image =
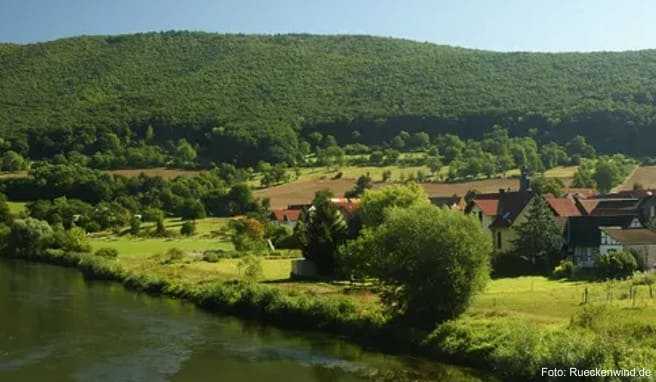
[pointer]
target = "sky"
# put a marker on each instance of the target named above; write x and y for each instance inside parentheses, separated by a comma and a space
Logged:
(501, 25)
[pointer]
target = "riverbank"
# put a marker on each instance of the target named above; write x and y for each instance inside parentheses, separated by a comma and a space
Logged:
(489, 339)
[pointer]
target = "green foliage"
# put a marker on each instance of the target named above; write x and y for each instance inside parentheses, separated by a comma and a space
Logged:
(173, 255)
(616, 265)
(29, 238)
(564, 270)
(604, 173)
(135, 225)
(375, 203)
(423, 253)
(188, 228)
(363, 183)
(132, 96)
(543, 185)
(247, 234)
(107, 253)
(12, 161)
(539, 238)
(250, 268)
(320, 231)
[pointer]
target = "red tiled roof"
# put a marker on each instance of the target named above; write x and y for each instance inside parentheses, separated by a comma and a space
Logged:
(286, 215)
(488, 206)
(563, 207)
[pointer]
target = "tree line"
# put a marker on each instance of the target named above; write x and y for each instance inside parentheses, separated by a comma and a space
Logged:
(135, 100)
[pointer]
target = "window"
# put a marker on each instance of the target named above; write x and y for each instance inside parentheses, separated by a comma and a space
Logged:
(498, 240)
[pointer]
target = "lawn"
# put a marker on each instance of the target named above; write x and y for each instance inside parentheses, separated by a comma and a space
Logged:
(546, 301)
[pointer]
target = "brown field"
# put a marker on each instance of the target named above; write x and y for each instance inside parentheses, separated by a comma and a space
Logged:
(646, 176)
(302, 191)
(165, 173)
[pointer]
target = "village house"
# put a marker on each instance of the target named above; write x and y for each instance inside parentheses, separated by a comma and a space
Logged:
(286, 216)
(583, 235)
(640, 241)
(484, 207)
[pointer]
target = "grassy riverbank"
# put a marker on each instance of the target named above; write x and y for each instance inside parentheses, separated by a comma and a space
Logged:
(513, 329)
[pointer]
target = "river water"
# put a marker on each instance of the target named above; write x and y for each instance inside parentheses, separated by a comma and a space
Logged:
(56, 326)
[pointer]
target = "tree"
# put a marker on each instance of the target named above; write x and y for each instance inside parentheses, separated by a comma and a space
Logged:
(398, 143)
(606, 175)
(320, 231)
(539, 239)
(418, 140)
(5, 212)
(375, 203)
(191, 209)
(363, 183)
(578, 147)
(429, 261)
(29, 237)
(376, 158)
(434, 163)
(247, 234)
(554, 155)
(12, 161)
(135, 225)
(543, 185)
(185, 154)
(188, 228)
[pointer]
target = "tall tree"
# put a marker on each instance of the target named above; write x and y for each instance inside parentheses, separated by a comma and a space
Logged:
(320, 231)
(539, 239)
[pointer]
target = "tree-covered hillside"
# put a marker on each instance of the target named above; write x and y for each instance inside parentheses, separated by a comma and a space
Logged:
(245, 98)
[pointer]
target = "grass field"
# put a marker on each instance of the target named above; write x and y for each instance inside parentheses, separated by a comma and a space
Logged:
(535, 299)
(546, 301)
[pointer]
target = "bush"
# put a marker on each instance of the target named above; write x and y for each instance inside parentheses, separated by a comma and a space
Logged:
(211, 257)
(564, 270)
(172, 255)
(250, 267)
(430, 261)
(107, 253)
(616, 265)
(188, 228)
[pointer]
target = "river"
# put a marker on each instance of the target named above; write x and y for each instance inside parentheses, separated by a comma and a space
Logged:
(56, 326)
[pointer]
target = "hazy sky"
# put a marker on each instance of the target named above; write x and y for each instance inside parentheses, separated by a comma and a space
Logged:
(528, 25)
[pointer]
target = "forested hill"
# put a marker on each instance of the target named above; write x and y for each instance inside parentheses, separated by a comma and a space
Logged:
(240, 97)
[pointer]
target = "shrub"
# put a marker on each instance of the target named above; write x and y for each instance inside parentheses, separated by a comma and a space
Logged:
(425, 254)
(172, 255)
(211, 257)
(250, 267)
(616, 265)
(564, 270)
(107, 253)
(188, 228)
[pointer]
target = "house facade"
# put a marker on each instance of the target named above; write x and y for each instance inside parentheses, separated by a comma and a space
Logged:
(640, 241)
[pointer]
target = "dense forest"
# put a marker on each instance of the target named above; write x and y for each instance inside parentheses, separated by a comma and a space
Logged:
(135, 100)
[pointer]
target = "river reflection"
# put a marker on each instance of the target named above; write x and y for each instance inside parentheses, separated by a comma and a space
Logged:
(56, 326)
